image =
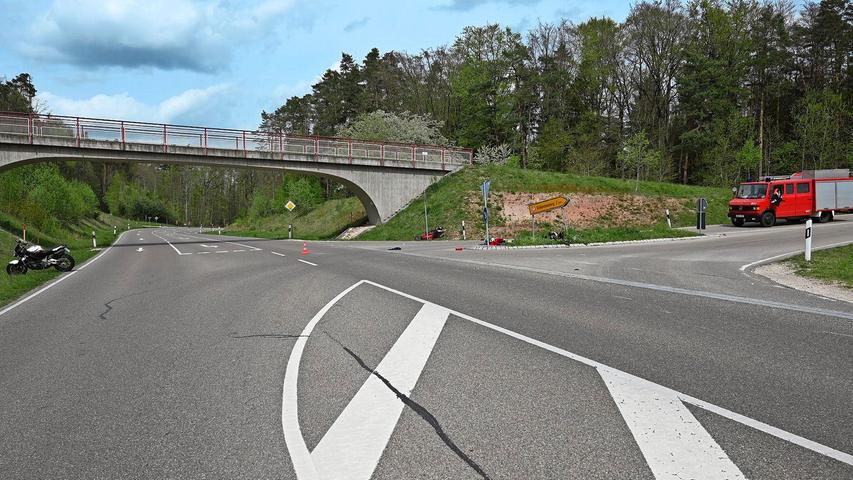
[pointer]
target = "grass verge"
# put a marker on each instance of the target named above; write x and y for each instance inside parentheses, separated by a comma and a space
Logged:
(449, 202)
(834, 265)
(77, 237)
(326, 221)
(596, 235)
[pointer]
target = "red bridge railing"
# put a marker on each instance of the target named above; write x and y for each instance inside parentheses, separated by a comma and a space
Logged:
(123, 132)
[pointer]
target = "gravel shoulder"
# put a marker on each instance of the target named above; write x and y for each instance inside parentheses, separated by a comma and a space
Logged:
(784, 275)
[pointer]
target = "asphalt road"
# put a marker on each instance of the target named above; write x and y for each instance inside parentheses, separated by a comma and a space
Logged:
(179, 355)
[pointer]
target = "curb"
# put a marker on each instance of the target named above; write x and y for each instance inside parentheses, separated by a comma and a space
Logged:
(597, 244)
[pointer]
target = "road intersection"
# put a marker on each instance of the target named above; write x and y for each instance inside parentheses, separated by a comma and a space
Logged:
(654, 360)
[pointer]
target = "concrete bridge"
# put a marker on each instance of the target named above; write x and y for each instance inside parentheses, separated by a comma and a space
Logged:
(384, 176)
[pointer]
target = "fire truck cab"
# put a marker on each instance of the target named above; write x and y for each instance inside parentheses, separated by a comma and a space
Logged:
(819, 194)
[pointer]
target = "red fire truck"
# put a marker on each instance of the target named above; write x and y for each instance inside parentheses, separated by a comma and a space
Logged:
(818, 194)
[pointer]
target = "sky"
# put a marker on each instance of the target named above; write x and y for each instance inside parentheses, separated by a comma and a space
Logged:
(219, 63)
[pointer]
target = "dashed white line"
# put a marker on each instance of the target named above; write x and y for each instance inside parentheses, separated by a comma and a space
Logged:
(241, 250)
(304, 261)
(221, 251)
(279, 254)
(202, 253)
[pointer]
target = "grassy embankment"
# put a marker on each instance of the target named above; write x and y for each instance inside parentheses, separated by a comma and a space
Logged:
(326, 221)
(450, 202)
(834, 265)
(78, 237)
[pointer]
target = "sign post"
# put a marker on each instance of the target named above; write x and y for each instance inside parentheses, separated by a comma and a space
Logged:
(485, 187)
(808, 252)
(290, 206)
(24, 228)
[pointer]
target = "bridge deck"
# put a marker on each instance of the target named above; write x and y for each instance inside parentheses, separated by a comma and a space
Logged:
(92, 133)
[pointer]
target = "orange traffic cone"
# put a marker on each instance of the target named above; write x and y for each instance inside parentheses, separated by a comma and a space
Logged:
(305, 250)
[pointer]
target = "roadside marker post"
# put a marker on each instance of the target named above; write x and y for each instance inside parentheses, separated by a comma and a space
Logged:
(463, 229)
(24, 229)
(701, 207)
(668, 220)
(114, 229)
(94, 240)
(808, 252)
(485, 187)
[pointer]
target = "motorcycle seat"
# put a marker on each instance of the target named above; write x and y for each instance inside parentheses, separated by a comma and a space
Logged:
(56, 249)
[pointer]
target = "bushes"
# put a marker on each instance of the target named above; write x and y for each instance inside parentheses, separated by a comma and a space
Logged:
(40, 195)
(127, 200)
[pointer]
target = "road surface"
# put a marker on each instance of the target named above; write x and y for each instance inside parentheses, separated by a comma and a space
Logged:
(176, 354)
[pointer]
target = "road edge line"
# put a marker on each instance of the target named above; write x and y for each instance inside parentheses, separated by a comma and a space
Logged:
(61, 278)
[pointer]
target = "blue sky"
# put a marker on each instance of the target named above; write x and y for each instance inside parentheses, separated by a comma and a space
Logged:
(220, 62)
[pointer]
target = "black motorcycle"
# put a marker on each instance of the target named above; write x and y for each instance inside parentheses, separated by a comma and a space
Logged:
(34, 257)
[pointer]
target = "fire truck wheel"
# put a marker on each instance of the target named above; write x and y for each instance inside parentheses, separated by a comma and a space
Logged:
(768, 219)
(738, 222)
(825, 217)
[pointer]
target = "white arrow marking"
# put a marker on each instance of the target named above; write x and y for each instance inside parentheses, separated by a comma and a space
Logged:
(140, 249)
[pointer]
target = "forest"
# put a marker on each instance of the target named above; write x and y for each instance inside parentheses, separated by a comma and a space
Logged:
(704, 92)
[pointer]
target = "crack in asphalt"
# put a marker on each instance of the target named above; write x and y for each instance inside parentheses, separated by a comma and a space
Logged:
(108, 305)
(417, 408)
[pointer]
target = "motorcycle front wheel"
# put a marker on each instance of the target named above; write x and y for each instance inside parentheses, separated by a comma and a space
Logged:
(64, 263)
(17, 269)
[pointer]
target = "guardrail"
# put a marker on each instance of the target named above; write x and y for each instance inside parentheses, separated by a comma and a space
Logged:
(123, 132)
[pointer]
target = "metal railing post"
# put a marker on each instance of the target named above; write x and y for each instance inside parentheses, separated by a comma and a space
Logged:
(316, 148)
(30, 128)
(123, 138)
(381, 154)
(349, 144)
(77, 131)
(205, 141)
(442, 158)
(281, 144)
(413, 156)
(244, 144)
(165, 140)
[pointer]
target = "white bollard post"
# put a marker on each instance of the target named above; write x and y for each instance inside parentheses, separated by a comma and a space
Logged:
(808, 253)
(463, 230)
(220, 230)
(114, 230)
(94, 240)
(668, 220)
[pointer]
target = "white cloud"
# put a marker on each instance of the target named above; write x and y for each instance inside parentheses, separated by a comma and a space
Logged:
(210, 105)
(167, 34)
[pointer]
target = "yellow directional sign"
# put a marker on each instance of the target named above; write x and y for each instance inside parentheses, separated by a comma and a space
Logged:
(547, 205)
(289, 206)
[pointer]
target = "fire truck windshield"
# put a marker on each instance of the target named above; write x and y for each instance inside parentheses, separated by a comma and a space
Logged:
(752, 190)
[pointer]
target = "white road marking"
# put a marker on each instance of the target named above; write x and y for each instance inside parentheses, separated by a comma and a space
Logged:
(651, 286)
(170, 244)
(202, 253)
(304, 261)
(744, 268)
(619, 296)
(305, 467)
(760, 426)
(140, 249)
(60, 279)
(673, 442)
(221, 251)
(279, 254)
(241, 250)
(299, 455)
(208, 246)
(353, 445)
(232, 243)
